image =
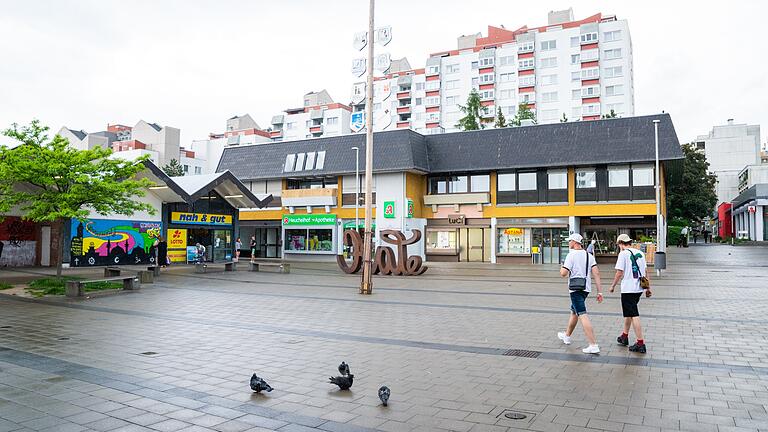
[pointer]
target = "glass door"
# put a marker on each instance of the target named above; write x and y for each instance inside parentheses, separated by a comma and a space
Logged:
(475, 238)
(271, 248)
(537, 244)
(222, 245)
(547, 247)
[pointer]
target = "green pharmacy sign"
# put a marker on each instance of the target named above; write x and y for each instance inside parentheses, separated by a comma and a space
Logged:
(389, 209)
(308, 219)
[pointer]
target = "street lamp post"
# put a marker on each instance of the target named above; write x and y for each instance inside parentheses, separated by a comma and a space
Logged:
(659, 242)
(357, 187)
(366, 284)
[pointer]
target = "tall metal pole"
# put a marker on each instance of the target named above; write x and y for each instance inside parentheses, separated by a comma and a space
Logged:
(357, 187)
(659, 242)
(366, 284)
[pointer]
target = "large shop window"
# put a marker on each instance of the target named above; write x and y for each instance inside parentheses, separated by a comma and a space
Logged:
(442, 241)
(514, 241)
(309, 240)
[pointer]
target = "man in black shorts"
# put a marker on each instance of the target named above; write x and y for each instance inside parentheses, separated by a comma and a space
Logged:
(630, 266)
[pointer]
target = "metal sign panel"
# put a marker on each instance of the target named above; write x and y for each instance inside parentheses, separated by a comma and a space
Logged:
(361, 40)
(384, 119)
(383, 35)
(358, 67)
(357, 121)
(382, 62)
(382, 90)
(358, 93)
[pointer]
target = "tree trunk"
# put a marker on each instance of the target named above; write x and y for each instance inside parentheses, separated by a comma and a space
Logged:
(60, 247)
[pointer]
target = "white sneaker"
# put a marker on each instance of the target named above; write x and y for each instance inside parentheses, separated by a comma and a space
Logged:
(563, 337)
(592, 349)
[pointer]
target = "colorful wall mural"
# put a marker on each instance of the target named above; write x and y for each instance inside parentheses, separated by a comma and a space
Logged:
(100, 242)
(18, 242)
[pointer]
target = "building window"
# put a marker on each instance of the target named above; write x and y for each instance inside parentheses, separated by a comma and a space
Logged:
(486, 78)
(418, 86)
(331, 121)
(549, 97)
(486, 94)
(433, 70)
(612, 54)
(588, 38)
(642, 175)
(618, 176)
(549, 79)
(617, 108)
(591, 91)
(432, 85)
(614, 90)
(506, 60)
(612, 36)
(506, 94)
(576, 111)
(505, 182)
(575, 42)
(528, 98)
(452, 68)
(475, 65)
(527, 81)
(486, 61)
(590, 110)
(576, 95)
(480, 183)
(451, 100)
(417, 101)
(448, 184)
(592, 73)
(586, 178)
(514, 241)
(548, 45)
(432, 101)
(527, 181)
(548, 62)
(290, 125)
(612, 72)
(525, 63)
(549, 115)
(525, 46)
(451, 85)
(198, 170)
(505, 77)
(575, 59)
(576, 76)
(443, 240)
(557, 179)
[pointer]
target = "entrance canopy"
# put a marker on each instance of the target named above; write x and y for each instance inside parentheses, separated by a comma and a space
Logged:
(188, 189)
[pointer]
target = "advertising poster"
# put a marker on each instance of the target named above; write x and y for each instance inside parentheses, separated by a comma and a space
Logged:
(101, 242)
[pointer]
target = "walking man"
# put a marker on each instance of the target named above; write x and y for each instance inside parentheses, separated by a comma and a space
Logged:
(591, 247)
(630, 267)
(579, 267)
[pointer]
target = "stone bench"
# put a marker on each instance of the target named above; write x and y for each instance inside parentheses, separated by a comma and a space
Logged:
(145, 276)
(281, 267)
(205, 267)
(155, 269)
(75, 288)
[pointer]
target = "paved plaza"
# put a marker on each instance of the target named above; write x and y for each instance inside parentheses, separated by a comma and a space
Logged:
(459, 347)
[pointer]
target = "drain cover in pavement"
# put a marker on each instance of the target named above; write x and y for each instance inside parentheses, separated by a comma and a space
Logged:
(522, 353)
(525, 416)
(149, 353)
(63, 338)
(5, 327)
(514, 415)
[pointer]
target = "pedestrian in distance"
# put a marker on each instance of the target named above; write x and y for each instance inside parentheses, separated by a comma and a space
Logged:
(253, 248)
(162, 253)
(238, 246)
(579, 267)
(630, 270)
(684, 236)
(591, 247)
(200, 253)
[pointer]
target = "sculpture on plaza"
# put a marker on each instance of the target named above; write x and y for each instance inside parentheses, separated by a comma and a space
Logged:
(384, 260)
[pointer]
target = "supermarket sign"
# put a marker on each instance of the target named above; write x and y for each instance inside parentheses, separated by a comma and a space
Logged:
(307, 220)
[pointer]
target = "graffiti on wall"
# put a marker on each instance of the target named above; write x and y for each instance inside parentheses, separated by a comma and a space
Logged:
(101, 242)
(18, 242)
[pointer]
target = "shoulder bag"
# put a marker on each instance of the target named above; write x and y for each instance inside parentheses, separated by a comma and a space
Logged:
(644, 282)
(580, 283)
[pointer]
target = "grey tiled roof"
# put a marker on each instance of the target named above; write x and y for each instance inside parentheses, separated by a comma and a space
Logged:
(80, 134)
(610, 141)
(111, 136)
(155, 126)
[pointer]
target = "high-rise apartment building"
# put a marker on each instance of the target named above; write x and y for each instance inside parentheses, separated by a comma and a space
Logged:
(319, 116)
(580, 70)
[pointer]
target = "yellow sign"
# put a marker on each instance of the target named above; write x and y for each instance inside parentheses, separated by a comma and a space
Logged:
(535, 249)
(177, 238)
(513, 231)
(200, 219)
(178, 255)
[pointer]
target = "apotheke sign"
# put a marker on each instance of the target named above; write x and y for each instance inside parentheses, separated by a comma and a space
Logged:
(306, 220)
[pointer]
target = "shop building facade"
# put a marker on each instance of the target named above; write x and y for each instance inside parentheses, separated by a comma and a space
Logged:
(507, 195)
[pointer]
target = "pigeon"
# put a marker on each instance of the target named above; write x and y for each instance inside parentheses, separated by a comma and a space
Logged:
(384, 394)
(344, 369)
(344, 382)
(258, 384)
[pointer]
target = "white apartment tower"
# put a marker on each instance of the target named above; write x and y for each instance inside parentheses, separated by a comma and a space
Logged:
(578, 69)
(319, 117)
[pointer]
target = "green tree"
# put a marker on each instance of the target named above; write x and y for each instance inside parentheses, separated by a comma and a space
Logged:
(523, 113)
(48, 181)
(564, 119)
(693, 198)
(500, 120)
(473, 112)
(173, 168)
(610, 115)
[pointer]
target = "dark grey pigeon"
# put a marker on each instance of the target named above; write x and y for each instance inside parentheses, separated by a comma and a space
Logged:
(258, 384)
(384, 394)
(344, 382)
(344, 369)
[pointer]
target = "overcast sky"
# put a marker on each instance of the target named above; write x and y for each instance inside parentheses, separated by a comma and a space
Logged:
(193, 64)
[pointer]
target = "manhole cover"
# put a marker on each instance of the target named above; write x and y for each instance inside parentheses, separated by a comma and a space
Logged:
(522, 353)
(518, 415)
(149, 353)
(515, 415)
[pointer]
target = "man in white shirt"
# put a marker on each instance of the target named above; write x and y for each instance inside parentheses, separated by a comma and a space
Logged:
(630, 267)
(579, 265)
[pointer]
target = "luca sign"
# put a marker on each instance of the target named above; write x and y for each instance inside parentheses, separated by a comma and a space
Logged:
(200, 219)
(306, 220)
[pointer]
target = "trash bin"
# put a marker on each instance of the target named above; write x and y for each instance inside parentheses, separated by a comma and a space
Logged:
(660, 261)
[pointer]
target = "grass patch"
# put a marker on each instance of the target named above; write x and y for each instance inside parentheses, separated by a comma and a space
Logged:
(57, 286)
(5, 286)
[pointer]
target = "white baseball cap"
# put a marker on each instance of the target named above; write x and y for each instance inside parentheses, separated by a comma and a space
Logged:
(576, 237)
(624, 239)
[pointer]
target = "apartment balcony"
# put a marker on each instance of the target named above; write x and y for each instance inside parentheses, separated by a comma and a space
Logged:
(325, 197)
(404, 109)
(404, 95)
(404, 124)
(589, 55)
(316, 129)
(276, 134)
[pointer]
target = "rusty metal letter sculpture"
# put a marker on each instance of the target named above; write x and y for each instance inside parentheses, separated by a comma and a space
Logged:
(385, 262)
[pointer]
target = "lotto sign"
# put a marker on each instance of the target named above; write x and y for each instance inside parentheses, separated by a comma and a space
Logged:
(179, 256)
(177, 239)
(409, 209)
(389, 209)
